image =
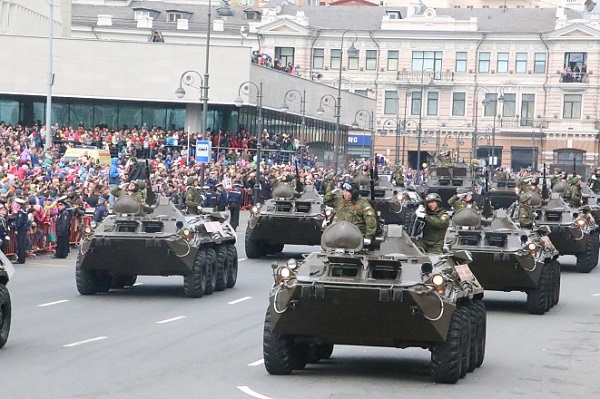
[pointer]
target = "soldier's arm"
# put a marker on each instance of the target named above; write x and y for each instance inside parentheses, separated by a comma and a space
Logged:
(439, 222)
(452, 200)
(524, 218)
(329, 198)
(370, 221)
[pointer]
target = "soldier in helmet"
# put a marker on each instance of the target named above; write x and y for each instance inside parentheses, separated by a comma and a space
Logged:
(526, 216)
(556, 177)
(533, 186)
(436, 223)
(131, 189)
(192, 196)
(462, 199)
(575, 191)
(595, 181)
(351, 208)
(399, 177)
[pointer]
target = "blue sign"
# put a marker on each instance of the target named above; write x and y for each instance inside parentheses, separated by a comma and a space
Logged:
(203, 150)
(358, 140)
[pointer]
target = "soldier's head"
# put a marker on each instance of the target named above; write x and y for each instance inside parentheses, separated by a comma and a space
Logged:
(433, 201)
(351, 191)
(533, 181)
(525, 198)
(192, 181)
(133, 187)
(576, 180)
(597, 171)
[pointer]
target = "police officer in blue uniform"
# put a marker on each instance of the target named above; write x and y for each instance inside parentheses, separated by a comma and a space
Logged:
(63, 230)
(211, 181)
(235, 202)
(22, 222)
(211, 197)
(221, 198)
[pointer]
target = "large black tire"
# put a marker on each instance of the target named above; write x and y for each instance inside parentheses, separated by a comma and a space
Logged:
(466, 340)
(232, 258)
(254, 249)
(275, 248)
(86, 280)
(556, 281)
(222, 267)
(104, 282)
(5, 314)
(479, 307)
(194, 282)
(588, 260)
(538, 298)
(212, 270)
(278, 350)
(446, 357)
(123, 281)
(474, 341)
(324, 351)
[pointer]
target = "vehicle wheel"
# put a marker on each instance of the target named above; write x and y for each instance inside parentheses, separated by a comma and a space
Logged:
(479, 307)
(585, 260)
(232, 259)
(103, 282)
(5, 314)
(465, 341)
(223, 267)
(556, 284)
(211, 271)
(123, 281)
(194, 282)
(254, 249)
(278, 350)
(86, 280)
(324, 351)
(275, 248)
(474, 337)
(537, 298)
(446, 357)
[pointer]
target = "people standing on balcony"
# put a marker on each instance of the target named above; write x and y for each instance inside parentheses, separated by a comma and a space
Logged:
(568, 76)
(577, 73)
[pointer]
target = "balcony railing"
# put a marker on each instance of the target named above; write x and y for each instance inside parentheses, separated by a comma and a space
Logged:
(522, 122)
(573, 77)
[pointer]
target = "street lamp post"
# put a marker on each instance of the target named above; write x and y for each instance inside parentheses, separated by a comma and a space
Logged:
(367, 116)
(50, 78)
(486, 102)
(325, 100)
(291, 95)
(420, 125)
(352, 51)
(245, 88)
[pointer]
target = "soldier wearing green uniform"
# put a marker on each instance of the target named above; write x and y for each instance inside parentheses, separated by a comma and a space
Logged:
(351, 208)
(595, 182)
(192, 196)
(132, 189)
(436, 223)
(399, 178)
(555, 178)
(575, 191)
(525, 212)
(462, 199)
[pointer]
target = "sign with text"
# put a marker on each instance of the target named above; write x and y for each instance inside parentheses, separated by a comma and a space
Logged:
(203, 151)
(359, 140)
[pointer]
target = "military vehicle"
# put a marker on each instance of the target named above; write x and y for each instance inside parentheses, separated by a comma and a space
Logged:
(289, 217)
(502, 193)
(396, 296)
(395, 205)
(507, 257)
(157, 241)
(7, 270)
(573, 231)
(445, 179)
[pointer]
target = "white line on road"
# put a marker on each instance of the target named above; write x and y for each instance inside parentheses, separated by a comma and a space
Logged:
(53, 303)
(170, 320)
(257, 363)
(595, 294)
(136, 284)
(239, 300)
(243, 259)
(250, 392)
(84, 342)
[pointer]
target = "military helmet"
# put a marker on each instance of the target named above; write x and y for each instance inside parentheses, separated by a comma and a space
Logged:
(136, 186)
(190, 180)
(462, 190)
(524, 197)
(141, 184)
(575, 179)
(433, 197)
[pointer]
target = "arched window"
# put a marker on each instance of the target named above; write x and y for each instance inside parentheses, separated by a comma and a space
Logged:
(567, 156)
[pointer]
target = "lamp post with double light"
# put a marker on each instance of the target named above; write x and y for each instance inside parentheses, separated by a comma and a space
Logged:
(245, 88)
(367, 117)
(326, 100)
(486, 102)
(420, 125)
(292, 95)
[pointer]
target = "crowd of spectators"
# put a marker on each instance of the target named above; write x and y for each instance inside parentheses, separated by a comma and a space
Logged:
(268, 62)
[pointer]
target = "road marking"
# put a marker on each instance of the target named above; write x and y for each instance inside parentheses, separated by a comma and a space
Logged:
(84, 342)
(136, 284)
(243, 259)
(239, 300)
(595, 294)
(53, 303)
(250, 392)
(257, 363)
(170, 320)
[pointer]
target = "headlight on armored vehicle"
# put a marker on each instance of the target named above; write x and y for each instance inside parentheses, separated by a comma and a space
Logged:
(254, 210)
(88, 230)
(328, 212)
(533, 248)
(581, 222)
(292, 264)
(439, 282)
(399, 198)
(187, 234)
(284, 273)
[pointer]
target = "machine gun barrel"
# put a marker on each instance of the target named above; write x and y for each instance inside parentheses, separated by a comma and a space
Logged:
(544, 184)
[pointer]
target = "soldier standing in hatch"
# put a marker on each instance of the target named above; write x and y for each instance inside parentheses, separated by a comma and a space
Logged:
(436, 223)
(351, 208)
(192, 197)
(526, 216)
(462, 199)
(575, 198)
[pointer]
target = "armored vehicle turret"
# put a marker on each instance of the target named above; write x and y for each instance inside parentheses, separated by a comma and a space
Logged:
(157, 241)
(444, 179)
(7, 270)
(290, 217)
(395, 297)
(507, 257)
(502, 193)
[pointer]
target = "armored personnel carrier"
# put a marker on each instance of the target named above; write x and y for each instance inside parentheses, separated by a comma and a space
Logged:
(573, 231)
(290, 217)
(394, 297)
(395, 205)
(503, 193)
(157, 241)
(444, 179)
(7, 270)
(507, 257)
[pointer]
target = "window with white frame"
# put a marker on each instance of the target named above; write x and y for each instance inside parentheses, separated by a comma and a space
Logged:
(461, 61)
(362, 92)
(141, 14)
(484, 63)
(353, 62)
(572, 106)
(336, 58)
(509, 105)
(458, 104)
(539, 63)
(432, 103)
(521, 63)
(371, 60)
(415, 103)
(318, 61)
(422, 60)
(174, 16)
(392, 60)
(391, 102)
(502, 63)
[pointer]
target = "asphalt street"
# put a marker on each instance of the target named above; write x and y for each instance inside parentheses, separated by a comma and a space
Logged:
(151, 341)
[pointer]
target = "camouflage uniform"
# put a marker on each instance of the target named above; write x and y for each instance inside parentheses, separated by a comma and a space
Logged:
(525, 211)
(119, 192)
(434, 230)
(399, 177)
(575, 190)
(595, 182)
(459, 203)
(192, 197)
(359, 213)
